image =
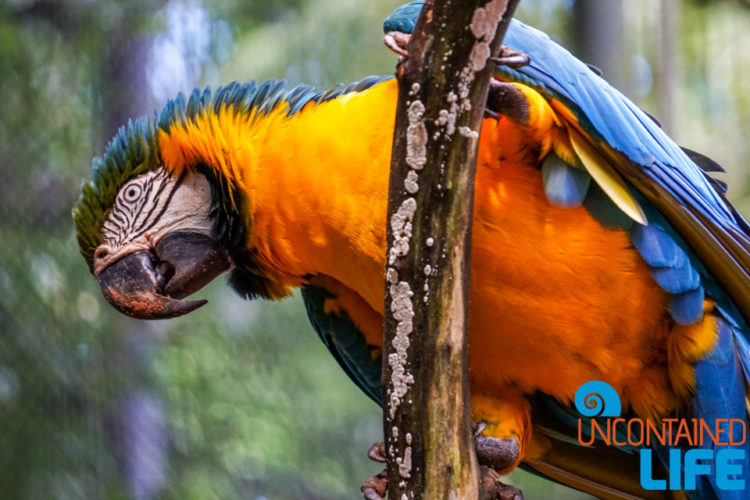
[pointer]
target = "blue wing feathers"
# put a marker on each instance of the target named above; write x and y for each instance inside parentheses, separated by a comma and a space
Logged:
(656, 246)
(743, 351)
(672, 269)
(676, 279)
(607, 115)
(600, 207)
(686, 308)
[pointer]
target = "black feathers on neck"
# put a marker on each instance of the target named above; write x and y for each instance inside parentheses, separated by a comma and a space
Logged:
(229, 212)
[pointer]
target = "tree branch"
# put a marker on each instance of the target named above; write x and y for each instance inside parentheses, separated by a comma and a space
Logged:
(443, 87)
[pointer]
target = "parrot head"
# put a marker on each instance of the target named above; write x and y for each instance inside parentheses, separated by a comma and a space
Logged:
(153, 233)
(155, 224)
(151, 236)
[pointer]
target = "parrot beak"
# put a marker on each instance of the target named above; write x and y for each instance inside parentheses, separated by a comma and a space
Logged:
(195, 258)
(138, 287)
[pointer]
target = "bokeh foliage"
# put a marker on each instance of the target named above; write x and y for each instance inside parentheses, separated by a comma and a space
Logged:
(237, 400)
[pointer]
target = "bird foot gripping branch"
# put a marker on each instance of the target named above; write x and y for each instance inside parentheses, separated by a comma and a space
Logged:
(376, 487)
(492, 487)
(512, 58)
(492, 454)
(397, 42)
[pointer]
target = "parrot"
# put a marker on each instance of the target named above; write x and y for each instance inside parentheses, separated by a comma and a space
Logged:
(601, 250)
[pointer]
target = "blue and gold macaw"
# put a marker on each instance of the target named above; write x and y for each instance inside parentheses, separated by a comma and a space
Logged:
(600, 251)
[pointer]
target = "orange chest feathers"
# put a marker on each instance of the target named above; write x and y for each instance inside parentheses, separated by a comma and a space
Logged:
(556, 299)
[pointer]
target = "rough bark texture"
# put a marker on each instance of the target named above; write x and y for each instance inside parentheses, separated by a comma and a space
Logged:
(443, 87)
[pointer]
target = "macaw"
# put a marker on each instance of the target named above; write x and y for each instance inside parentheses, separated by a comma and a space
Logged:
(601, 251)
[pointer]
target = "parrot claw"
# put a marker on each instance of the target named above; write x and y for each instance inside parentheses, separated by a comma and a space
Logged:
(397, 41)
(479, 427)
(494, 489)
(376, 453)
(495, 454)
(375, 487)
(511, 58)
(492, 454)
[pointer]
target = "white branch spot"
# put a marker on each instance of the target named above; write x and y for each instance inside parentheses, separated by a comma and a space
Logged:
(485, 19)
(478, 57)
(401, 227)
(416, 136)
(404, 466)
(483, 26)
(391, 275)
(403, 312)
(467, 132)
(410, 183)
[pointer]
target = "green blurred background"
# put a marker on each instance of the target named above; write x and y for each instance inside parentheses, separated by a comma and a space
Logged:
(240, 399)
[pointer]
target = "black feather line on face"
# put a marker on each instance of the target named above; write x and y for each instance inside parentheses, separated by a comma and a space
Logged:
(231, 223)
(150, 221)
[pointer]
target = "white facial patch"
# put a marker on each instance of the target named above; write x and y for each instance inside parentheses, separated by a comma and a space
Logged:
(148, 208)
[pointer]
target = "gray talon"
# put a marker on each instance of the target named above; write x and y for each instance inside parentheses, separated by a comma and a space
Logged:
(479, 427)
(376, 453)
(375, 487)
(494, 489)
(397, 41)
(511, 58)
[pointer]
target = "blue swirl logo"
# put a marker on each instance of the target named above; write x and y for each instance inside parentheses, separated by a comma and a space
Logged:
(597, 399)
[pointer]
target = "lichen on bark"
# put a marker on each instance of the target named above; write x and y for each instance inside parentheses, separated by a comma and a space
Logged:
(443, 88)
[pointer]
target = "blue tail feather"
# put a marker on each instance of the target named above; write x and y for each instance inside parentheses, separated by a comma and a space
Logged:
(721, 380)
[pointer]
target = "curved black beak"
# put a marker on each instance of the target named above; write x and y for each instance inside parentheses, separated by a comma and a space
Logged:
(151, 288)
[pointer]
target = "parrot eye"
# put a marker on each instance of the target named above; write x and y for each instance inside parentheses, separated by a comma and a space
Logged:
(132, 193)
